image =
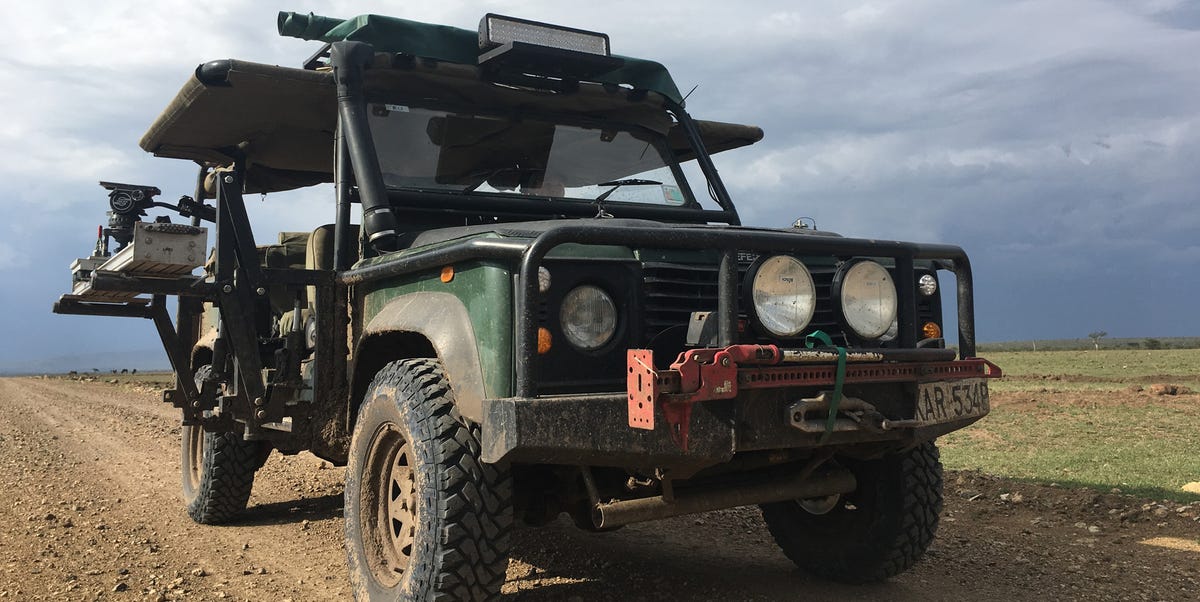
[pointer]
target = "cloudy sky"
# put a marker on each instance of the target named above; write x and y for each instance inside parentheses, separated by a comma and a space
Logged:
(1057, 142)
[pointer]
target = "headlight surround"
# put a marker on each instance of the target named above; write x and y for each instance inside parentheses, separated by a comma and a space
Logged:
(783, 295)
(867, 298)
(588, 317)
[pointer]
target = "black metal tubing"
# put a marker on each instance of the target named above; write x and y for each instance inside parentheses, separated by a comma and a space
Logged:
(704, 160)
(727, 314)
(435, 258)
(189, 286)
(349, 59)
(758, 491)
(177, 352)
(342, 179)
(198, 195)
(176, 342)
(314, 61)
(728, 241)
(906, 309)
(116, 310)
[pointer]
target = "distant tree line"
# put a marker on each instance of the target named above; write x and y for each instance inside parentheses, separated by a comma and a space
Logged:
(1093, 343)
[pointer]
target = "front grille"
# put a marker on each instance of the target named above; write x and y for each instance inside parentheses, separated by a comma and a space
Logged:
(672, 291)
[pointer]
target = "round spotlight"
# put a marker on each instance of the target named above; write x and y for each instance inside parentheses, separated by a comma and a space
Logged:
(783, 295)
(867, 298)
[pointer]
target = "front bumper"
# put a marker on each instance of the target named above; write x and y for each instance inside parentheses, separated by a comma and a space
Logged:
(713, 403)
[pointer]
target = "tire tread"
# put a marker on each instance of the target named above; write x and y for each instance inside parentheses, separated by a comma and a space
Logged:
(900, 532)
(227, 478)
(474, 512)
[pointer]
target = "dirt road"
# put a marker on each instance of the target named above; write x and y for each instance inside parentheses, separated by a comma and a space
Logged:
(91, 510)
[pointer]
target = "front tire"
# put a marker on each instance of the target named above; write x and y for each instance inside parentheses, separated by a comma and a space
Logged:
(425, 518)
(878, 531)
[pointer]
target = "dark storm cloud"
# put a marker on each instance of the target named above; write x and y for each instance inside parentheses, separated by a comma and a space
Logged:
(1065, 160)
(1057, 142)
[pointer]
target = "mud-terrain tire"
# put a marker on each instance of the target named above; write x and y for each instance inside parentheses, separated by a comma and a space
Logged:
(217, 471)
(880, 530)
(425, 518)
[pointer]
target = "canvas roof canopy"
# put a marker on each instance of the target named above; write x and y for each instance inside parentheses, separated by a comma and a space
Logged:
(282, 119)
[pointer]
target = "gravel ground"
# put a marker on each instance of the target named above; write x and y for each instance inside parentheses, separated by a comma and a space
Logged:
(91, 510)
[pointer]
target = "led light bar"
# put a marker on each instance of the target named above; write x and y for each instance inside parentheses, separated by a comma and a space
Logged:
(498, 30)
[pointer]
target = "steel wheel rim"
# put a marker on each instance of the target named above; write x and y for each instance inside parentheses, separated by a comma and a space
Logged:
(193, 468)
(819, 506)
(388, 502)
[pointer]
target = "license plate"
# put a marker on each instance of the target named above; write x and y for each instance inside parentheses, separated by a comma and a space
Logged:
(945, 401)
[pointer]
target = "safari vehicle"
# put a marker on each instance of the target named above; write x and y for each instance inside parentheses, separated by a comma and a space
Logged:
(534, 298)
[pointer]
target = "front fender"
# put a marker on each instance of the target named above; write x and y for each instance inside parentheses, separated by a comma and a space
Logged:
(442, 320)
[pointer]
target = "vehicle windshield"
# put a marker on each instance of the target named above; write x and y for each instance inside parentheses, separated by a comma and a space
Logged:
(429, 149)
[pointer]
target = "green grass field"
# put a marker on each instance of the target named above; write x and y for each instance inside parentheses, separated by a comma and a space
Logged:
(1071, 417)
(1103, 370)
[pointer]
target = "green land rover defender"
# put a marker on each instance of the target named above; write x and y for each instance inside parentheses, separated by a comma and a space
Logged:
(533, 298)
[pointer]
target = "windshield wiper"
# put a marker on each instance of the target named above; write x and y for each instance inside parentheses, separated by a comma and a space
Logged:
(619, 183)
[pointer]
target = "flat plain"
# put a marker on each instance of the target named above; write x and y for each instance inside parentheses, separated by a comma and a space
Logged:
(1070, 489)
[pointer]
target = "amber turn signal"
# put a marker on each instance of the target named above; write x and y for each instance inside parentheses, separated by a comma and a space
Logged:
(448, 273)
(931, 330)
(544, 340)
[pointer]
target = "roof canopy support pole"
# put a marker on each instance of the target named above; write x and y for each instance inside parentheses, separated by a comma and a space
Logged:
(199, 194)
(349, 59)
(704, 160)
(342, 179)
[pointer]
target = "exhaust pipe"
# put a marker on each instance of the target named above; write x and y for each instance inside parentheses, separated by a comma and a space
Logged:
(624, 512)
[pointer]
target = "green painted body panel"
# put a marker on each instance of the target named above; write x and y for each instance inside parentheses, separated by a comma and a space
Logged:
(485, 289)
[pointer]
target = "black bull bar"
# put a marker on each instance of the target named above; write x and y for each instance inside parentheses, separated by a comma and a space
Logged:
(729, 242)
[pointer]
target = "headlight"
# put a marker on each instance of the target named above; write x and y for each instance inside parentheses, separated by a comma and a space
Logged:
(783, 295)
(589, 317)
(868, 299)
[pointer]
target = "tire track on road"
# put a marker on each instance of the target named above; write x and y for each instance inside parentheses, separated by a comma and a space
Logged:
(117, 447)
